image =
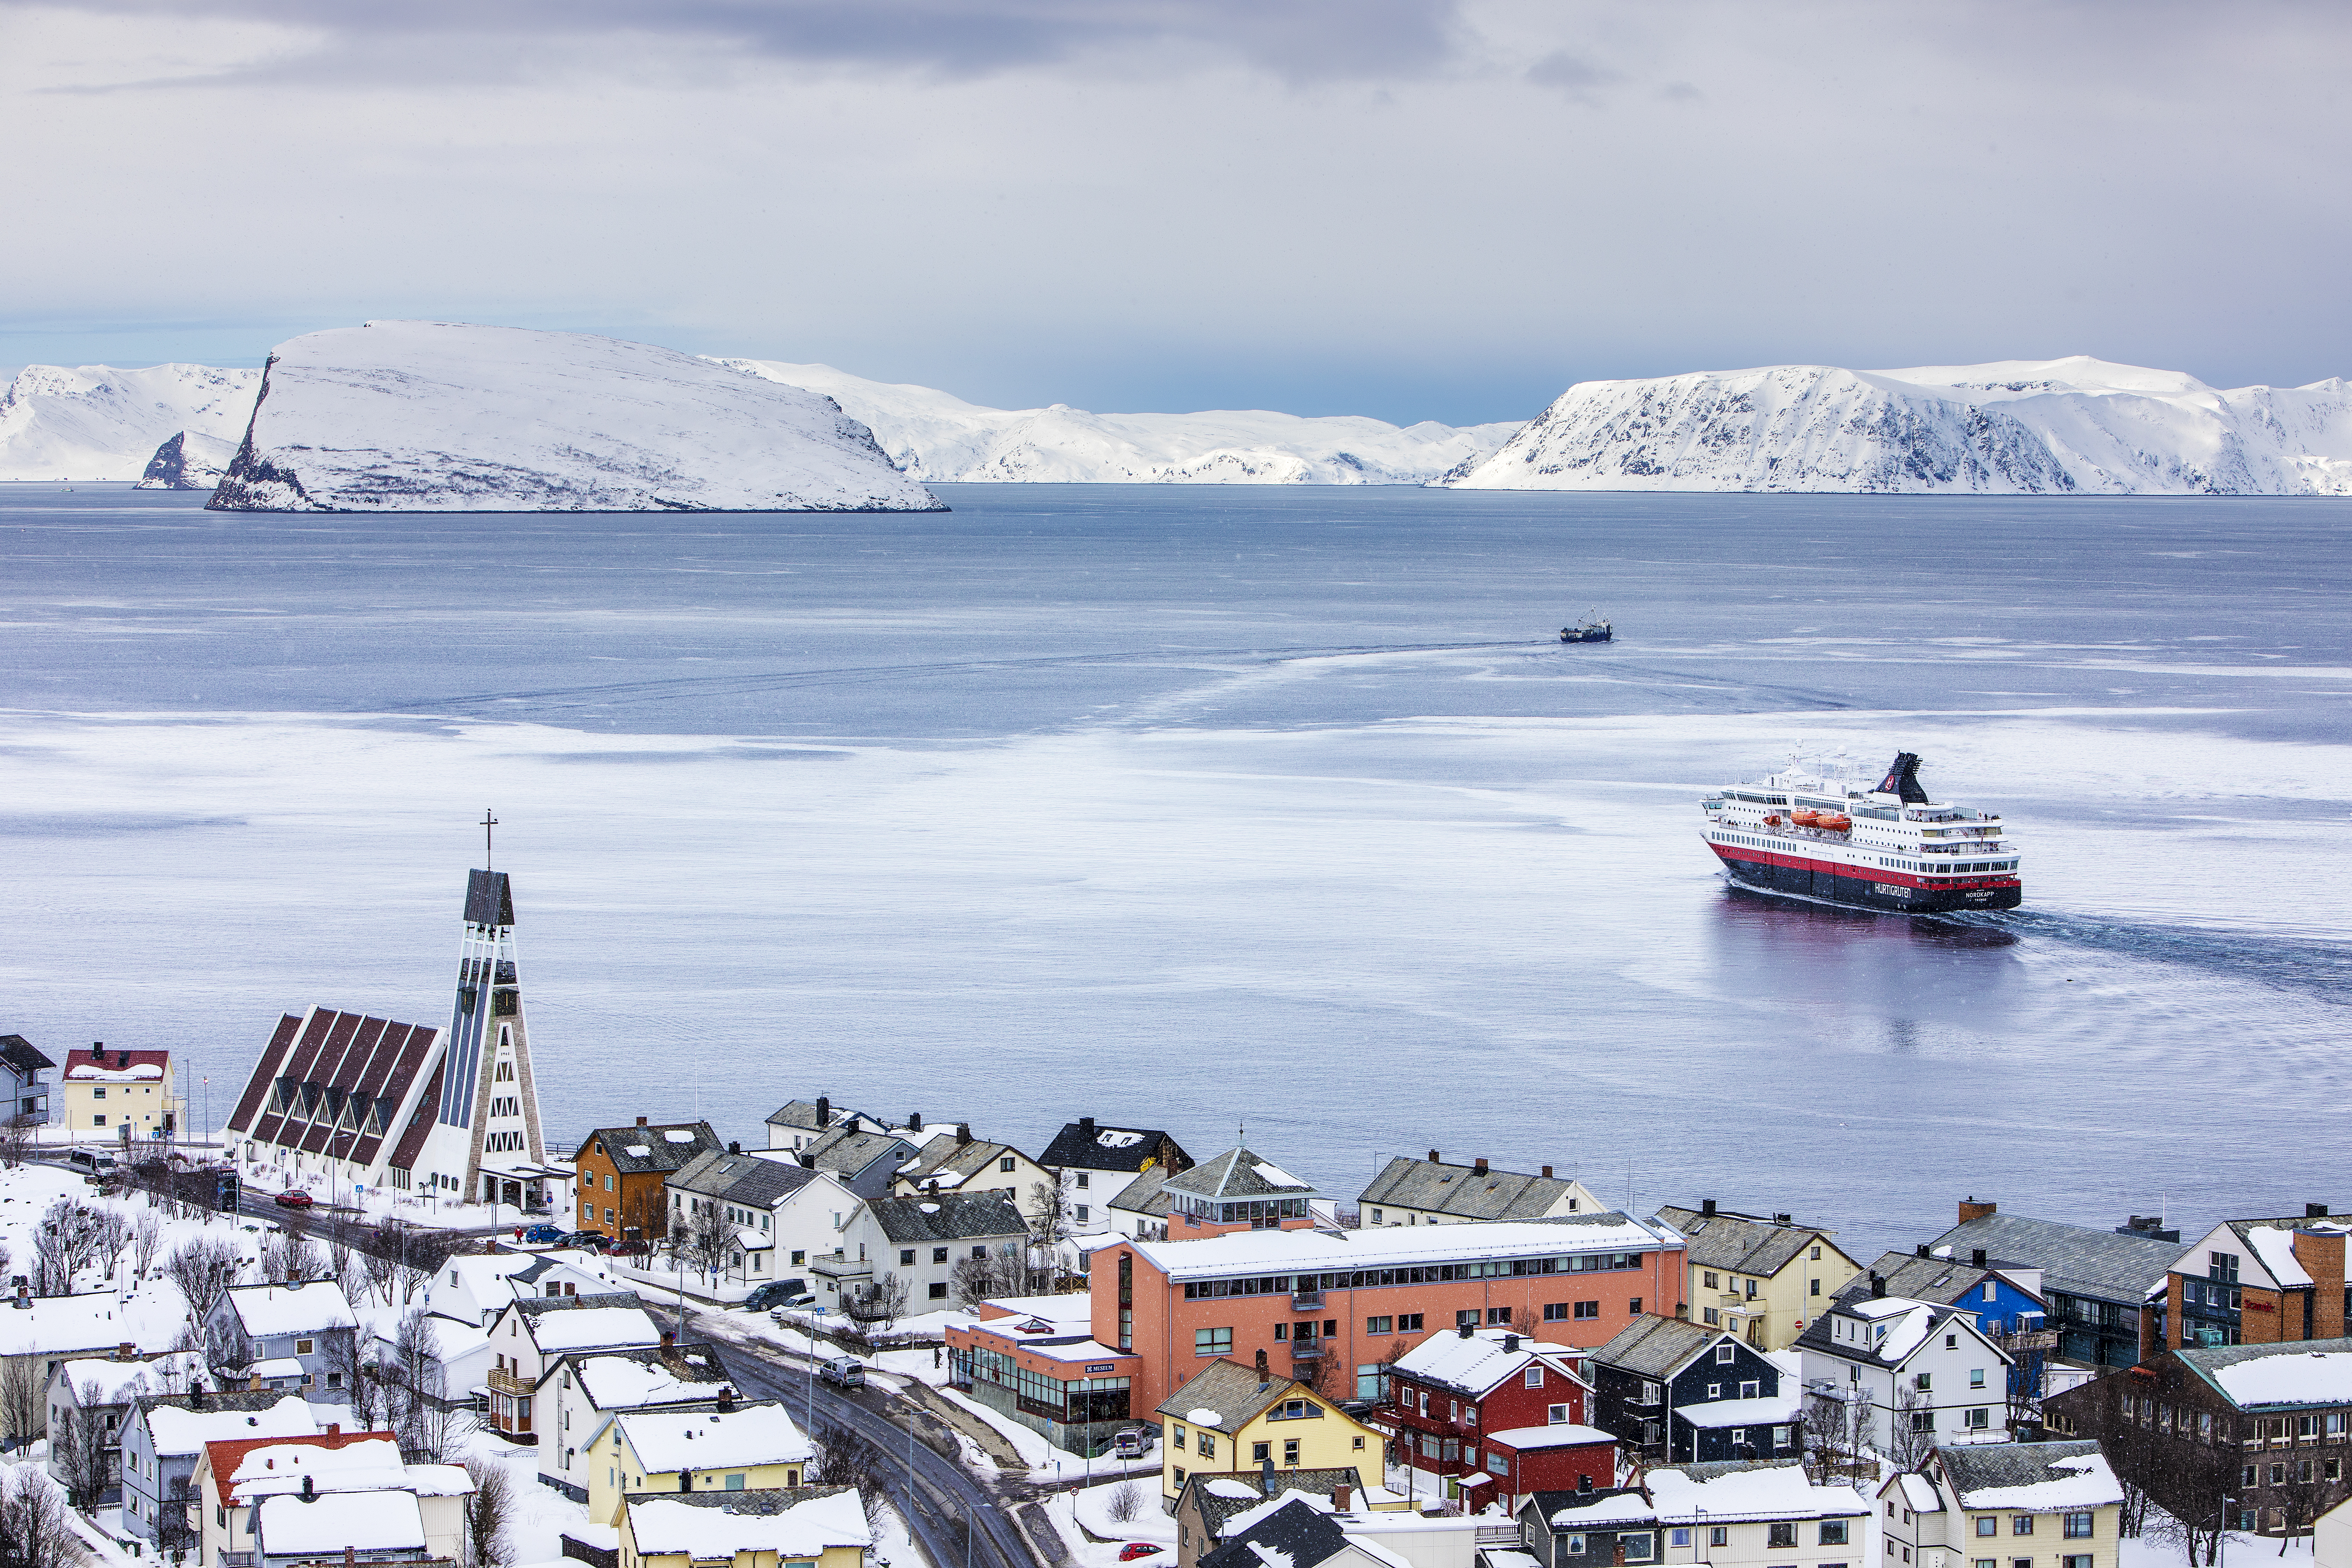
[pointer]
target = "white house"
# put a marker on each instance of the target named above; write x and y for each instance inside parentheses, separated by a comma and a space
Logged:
(920, 1240)
(164, 1432)
(320, 1498)
(526, 1338)
(105, 1389)
(1922, 1367)
(476, 1289)
(782, 1213)
(297, 1337)
(1098, 1162)
(580, 1389)
(1751, 1515)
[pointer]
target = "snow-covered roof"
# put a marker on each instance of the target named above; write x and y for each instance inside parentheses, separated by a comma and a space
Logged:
(630, 1382)
(2309, 1372)
(762, 1434)
(1225, 1488)
(367, 1465)
(1749, 1492)
(1559, 1435)
(178, 1431)
(96, 1380)
(265, 1311)
(595, 1328)
(1761, 1412)
(1621, 1507)
(1076, 1310)
(1478, 1360)
(92, 1321)
(327, 1523)
(2276, 1250)
(1201, 1415)
(1085, 1349)
(277, 1366)
(2030, 1477)
(1918, 1494)
(724, 1525)
(1390, 1246)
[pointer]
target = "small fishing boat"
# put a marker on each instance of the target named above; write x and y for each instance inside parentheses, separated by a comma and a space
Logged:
(1592, 628)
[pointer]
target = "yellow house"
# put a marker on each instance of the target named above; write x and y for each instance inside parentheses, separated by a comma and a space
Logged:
(804, 1527)
(2019, 1505)
(1225, 1421)
(749, 1447)
(102, 1091)
(1762, 1278)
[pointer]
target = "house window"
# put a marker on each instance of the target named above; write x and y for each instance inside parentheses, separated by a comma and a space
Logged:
(1588, 1308)
(1923, 1421)
(2079, 1526)
(1709, 1278)
(1378, 1325)
(939, 1291)
(1710, 1317)
(1081, 1183)
(1556, 1415)
(1988, 1525)
(1261, 1452)
(1723, 1354)
(1576, 1546)
(1005, 1164)
(1555, 1312)
(939, 1255)
(906, 1258)
(1408, 1322)
(1290, 1453)
(1817, 1257)
(98, 1121)
(1082, 1214)
(1782, 1535)
(1495, 1315)
(1176, 1436)
(2022, 1524)
(1534, 1377)
(1678, 1537)
(1921, 1381)
(1748, 1390)
(1783, 1437)
(1833, 1532)
(304, 1347)
(1652, 1392)
(1212, 1341)
(1978, 1419)
(1719, 1535)
(2073, 1560)
(1466, 1319)
(1640, 1545)
(1976, 1377)
(1817, 1284)
(1205, 1445)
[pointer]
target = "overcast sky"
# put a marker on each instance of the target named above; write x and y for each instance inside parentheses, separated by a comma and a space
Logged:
(1410, 208)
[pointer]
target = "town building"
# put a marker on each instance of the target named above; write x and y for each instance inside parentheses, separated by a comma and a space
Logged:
(920, 1244)
(1923, 1376)
(581, 1388)
(769, 1527)
(341, 1098)
(164, 1435)
(118, 1094)
(26, 1093)
(733, 1447)
(620, 1175)
(1431, 1191)
(472, 1289)
(40, 1333)
(1496, 1405)
(527, 1336)
(1313, 1298)
(335, 1496)
(94, 1398)
(1097, 1161)
(1727, 1515)
(2102, 1288)
(1763, 1278)
(1673, 1391)
(1591, 1527)
(1213, 1504)
(1302, 1529)
(777, 1212)
(2259, 1281)
(1139, 1212)
(797, 1124)
(959, 1162)
(1228, 1417)
(1036, 1358)
(2268, 1426)
(1235, 1190)
(861, 1159)
(297, 1338)
(2005, 1300)
(2004, 1505)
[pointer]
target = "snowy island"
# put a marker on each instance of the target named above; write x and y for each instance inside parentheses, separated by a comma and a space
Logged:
(434, 417)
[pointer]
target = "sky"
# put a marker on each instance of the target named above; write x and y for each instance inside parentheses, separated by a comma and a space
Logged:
(1446, 209)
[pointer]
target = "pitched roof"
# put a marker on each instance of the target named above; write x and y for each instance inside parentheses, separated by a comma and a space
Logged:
(20, 1053)
(2252, 1377)
(1655, 1347)
(802, 1114)
(1898, 1326)
(1244, 1491)
(950, 1162)
(1145, 1194)
(652, 1150)
(1478, 1360)
(1740, 1242)
(758, 1434)
(2030, 1476)
(1728, 1491)
(489, 898)
(848, 1151)
(788, 1522)
(1230, 1389)
(274, 1309)
(101, 1065)
(752, 1179)
(646, 1375)
(1939, 1279)
(1435, 1187)
(1296, 1535)
(1237, 1174)
(178, 1424)
(948, 1216)
(2074, 1260)
(227, 1456)
(1090, 1146)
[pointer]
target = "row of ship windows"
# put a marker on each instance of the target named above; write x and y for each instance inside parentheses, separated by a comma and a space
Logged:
(1922, 867)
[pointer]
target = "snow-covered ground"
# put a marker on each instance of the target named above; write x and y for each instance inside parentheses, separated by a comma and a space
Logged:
(95, 421)
(434, 416)
(937, 437)
(2077, 426)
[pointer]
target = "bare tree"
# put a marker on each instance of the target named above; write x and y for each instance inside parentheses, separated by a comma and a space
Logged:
(848, 1458)
(1125, 1504)
(69, 1239)
(413, 1255)
(707, 1240)
(1837, 1430)
(175, 1526)
(338, 1256)
(371, 1392)
(81, 1453)
(1910, 1427)
(35, 1531)
(146, 1240)
(109, 1237)
(975, 1279)
(15, 1141)
(201, 1269)
(1048, 1210)
(881, 1303)
(489, 1512)
(24, 1401)
(228, 1347)
(290, 1256)
(421, 1414)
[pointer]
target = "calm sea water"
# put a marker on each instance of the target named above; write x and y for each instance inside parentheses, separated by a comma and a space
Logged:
(1215, 809)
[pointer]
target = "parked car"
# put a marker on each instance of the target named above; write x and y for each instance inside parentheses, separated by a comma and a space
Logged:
(844, 1372)
(1134, 1550)
(544, 1235)
(1133, 1443)
(777, 1293)
(90, 1160)
(593, 1240)
(294, 1198)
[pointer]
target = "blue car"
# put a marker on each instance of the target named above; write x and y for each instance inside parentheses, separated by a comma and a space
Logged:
(544, 1235)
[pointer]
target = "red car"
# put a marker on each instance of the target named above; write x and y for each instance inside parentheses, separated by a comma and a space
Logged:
(1134, 1550)
(295, 1199)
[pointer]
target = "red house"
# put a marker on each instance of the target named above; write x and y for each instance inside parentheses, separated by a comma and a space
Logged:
(1501, 1411)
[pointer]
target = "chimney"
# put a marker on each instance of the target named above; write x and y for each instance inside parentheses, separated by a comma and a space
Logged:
(808, 1162)
(667, 1339)
(1479, 1165)
(932, 1187)
(914, 1122)
(1783, 1219)
(2315, 1210)
(1547, 1172)
(1584, 1486)
(334, 1428)
(2321, 1253)
(963, 1133)
(351, 1557)
(1341, 1496)
(1263, 1376)
(126, 1350)
(1266, 1476)
(1976, 1258)
(309, 1495)
(641, 1121)
(1510, 1344)
(1877, 1285)
(1971, 1209)
(1922, 1250)
(1086, 1127)
(1707, 1205)
(1433, 1158)
(734, 1148)
(823, 1111)
(726, 1397)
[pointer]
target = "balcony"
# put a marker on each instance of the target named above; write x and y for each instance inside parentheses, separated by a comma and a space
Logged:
(504, 1381)
(1307, 1300)
(1306, 1349)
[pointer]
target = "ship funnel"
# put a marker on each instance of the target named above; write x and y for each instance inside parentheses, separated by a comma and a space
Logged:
(1902, 780)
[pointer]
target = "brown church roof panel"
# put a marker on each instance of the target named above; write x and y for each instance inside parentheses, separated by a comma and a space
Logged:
(412, 1139)
(265, 1072)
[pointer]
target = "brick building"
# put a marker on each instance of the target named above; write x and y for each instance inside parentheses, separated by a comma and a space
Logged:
(2259, 1281)
(1494, 1404)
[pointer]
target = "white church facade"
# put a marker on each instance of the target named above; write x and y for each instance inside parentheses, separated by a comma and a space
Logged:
(343, 1099)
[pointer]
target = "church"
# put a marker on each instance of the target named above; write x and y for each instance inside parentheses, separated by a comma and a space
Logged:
(342, 1099)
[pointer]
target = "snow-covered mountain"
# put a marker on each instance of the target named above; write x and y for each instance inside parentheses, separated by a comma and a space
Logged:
(435, 416)
(2075, 425)
(187, 462)
(95, 421)
(933, 435)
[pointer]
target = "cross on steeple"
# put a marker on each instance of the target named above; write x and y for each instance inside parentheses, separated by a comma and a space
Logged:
(488, 822)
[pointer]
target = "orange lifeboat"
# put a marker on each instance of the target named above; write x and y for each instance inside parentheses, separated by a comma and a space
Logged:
(1773, 820)
(1805, 819)
(1834, 822)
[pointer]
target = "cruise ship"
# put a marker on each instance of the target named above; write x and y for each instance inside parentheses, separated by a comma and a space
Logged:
(1886, 848)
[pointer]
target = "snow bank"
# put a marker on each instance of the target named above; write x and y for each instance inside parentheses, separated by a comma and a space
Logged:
(96, 422)
(430, 416)
(2077, 426)
(936, 436)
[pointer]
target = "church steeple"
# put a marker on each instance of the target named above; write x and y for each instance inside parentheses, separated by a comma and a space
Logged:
(487, 1091)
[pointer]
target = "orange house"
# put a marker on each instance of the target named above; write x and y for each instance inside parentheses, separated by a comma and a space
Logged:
(1332, 1307)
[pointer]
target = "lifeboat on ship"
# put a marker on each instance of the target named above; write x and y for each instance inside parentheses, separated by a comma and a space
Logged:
(1833, 822)
(1806, 819)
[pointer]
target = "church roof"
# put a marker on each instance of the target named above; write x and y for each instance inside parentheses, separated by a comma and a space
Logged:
(330, 1083)
(489, 902)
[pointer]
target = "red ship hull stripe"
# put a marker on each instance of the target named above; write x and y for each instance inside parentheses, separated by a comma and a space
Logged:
(1859, 873)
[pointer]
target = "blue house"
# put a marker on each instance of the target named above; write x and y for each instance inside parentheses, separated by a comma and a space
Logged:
(1679, 1392)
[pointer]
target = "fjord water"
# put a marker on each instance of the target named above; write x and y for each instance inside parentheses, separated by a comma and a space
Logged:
(1206, 808)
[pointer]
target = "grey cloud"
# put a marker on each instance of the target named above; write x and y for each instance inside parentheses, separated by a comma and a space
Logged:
(1298, 39)
(1579, 77)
